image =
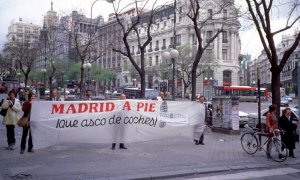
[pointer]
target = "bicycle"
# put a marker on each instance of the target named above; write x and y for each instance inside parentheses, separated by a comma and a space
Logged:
(276, 149)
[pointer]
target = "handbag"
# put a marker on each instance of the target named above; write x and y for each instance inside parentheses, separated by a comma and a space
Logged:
(3, 112)
(23, 122)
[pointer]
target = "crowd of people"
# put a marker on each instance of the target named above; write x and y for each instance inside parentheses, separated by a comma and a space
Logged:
(13, 106)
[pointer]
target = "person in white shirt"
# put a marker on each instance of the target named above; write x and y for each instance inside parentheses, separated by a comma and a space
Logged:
(13, 107)
(199, 128)
(119, 131)
(161, 96)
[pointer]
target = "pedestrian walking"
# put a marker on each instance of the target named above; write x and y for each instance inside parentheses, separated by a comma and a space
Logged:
(199, 128)
(119, 131)
(13, 106)
(26, 129)
(289, 136)
(271, 123)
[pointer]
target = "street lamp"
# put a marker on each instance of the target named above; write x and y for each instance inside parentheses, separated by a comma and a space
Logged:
(207, 87)
(109, 1)
(63, 83)
(88, 66)
(167, 56)
(44, 76)
(298, 86)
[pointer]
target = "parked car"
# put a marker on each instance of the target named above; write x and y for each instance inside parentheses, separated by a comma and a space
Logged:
(244, 118)
(284, 102)
(253, 117)
(289, 98)
(296, 109)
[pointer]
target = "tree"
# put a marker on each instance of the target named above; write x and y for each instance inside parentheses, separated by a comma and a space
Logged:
(24, 54)
(5, 66)
(84, 41)
(186, 58)
(104, 75)
(262, 14)
(199, 21)
(130, 31)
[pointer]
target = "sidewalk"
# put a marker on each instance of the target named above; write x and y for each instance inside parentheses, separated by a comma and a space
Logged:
(143, 160)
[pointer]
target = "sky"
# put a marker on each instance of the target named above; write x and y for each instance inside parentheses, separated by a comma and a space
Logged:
(34, 10)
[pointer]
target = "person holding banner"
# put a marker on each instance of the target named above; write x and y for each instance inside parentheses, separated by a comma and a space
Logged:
(13, 107)
(161, 96)
(119, 131)
(26, 109)
(53, 95)
(88, 95)
(199, 128)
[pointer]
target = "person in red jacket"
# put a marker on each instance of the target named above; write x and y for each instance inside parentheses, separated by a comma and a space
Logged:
(271, 123)
(26, 109)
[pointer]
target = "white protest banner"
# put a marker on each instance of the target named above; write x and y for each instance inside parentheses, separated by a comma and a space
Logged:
(57, 122)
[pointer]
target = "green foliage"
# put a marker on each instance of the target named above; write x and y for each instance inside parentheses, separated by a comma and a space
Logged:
(70, 69)
(35, 75)
(103, 74)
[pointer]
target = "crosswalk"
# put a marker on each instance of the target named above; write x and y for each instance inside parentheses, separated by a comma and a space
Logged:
(251, 174)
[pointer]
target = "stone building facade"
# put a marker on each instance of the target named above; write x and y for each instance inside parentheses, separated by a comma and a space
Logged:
(225, 48)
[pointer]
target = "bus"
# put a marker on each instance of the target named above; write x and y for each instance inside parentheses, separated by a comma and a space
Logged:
(245, 93)
(135, 93)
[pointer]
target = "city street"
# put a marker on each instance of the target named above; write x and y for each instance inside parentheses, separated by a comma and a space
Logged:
(165, 158)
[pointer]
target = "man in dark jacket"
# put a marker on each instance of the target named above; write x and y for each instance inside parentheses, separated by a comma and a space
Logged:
(288, 137)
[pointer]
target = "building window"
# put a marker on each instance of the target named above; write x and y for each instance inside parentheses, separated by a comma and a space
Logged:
(150, 47)
(157, 26)
(165, 23)
(156, 60)
(227, 78)
(132, 50)
(209, 13)
(208, 35)
(180, 19)
(164, 44)
(178, 39)
(180, 9)
(150, 61)
(224, 14)
(157, 46)
(225, 37)
(224, 54)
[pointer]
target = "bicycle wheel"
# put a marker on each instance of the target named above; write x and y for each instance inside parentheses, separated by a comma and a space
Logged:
(249, 143)
(278, 150)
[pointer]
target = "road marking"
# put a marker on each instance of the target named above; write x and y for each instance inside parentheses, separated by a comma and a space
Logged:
(251, 174)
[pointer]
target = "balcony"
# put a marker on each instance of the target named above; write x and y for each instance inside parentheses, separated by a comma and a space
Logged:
(156, 49)
(163, 47)
(150, 50)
